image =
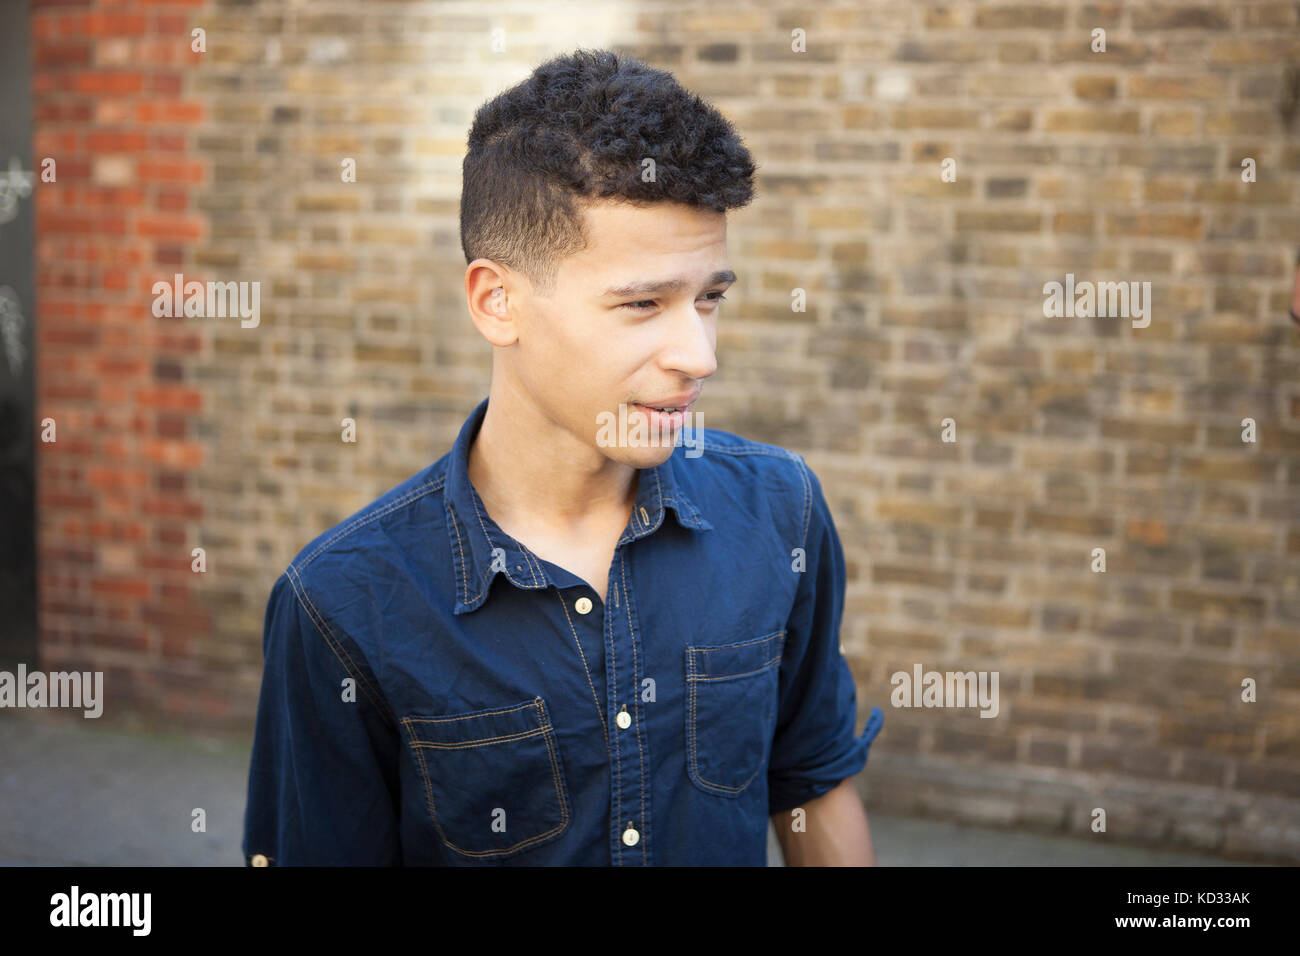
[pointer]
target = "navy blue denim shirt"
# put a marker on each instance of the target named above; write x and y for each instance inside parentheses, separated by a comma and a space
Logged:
(436, 694)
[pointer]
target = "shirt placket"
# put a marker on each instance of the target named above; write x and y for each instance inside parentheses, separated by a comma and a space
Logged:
(629, 742)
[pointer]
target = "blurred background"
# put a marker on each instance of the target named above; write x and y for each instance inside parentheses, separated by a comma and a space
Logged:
(140, 140)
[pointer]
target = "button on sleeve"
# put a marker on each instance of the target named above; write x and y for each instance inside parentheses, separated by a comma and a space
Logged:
(322, 784)
(815, 746)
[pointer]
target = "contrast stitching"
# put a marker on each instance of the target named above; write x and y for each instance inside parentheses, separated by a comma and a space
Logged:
(693, 518)
(770, 453)
(473, 713)
(758, 640)
(693, 680)
(483, 528)
(595, 699)
(556, 774)
(460, 551)
(477, 742)
(742, 450)
(692, 735)
(757, 670)
(690, 712)
(532, 569)
(659, 495)
(424, 489)
(533, 560)
(428, 789)
(613, 740)
(807, 502)
(636, 697)
(645, 520)
(335, 645)
(469, 598)
(555, 778)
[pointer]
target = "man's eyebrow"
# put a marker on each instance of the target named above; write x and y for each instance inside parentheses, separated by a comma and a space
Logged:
(665, 285)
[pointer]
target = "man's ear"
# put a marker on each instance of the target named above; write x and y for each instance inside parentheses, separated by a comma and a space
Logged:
(489, 304)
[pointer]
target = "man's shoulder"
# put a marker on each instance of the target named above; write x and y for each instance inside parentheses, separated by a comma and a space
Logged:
(738, 447)
(371, 528)
(742, 466)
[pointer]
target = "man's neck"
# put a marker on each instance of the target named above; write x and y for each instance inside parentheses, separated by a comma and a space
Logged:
(535, 477)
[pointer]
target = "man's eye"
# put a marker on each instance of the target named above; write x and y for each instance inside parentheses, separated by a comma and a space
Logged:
(644, 304)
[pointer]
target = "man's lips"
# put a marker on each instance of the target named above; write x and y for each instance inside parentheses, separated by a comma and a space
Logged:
(673, 401)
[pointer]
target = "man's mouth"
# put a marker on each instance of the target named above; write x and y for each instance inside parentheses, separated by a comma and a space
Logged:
(669, 417)
(672, 403)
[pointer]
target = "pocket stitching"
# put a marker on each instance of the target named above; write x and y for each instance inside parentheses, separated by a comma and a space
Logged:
(725, 647)
(758, 670)
(471, 744)
(557, 777)
(694, 680)
(473, 713)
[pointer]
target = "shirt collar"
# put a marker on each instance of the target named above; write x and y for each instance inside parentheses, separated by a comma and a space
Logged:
(474, 535)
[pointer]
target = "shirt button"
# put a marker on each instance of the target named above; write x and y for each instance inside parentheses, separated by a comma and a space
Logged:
(630, 836)
(582, 605)
(624, 719)
(258, 860)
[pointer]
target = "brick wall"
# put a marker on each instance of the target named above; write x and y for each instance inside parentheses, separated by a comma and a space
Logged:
(118, 490)
(1120, 689)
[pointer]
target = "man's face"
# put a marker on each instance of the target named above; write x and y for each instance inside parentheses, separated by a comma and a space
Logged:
(606, 337)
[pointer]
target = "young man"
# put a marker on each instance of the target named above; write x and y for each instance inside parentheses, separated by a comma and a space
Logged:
(568, 641)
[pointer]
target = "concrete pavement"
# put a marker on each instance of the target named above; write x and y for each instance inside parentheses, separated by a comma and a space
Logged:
(76, 793)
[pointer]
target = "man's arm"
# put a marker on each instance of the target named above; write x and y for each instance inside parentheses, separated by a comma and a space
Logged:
(815, 754)
(323, 782)
(835, 831)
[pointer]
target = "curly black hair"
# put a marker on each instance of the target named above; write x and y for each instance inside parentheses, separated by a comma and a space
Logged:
(580, 128)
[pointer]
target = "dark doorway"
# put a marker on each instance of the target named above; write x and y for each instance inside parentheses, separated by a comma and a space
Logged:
(17, 343)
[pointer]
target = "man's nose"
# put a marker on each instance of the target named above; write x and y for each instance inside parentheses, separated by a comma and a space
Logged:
(692, 350)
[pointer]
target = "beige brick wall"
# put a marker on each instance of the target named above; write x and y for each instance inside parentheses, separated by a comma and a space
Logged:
(1121, 689)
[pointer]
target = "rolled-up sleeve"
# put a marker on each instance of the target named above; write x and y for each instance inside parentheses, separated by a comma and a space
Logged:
(815, 747)
(322, 783)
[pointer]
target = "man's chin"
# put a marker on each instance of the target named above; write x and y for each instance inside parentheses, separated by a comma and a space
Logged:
(646, 456)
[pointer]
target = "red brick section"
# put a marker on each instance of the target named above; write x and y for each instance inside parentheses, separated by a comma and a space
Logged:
(117, 503)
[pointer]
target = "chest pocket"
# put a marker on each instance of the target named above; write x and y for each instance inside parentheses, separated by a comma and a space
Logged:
(493, 778)
(731, 699)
